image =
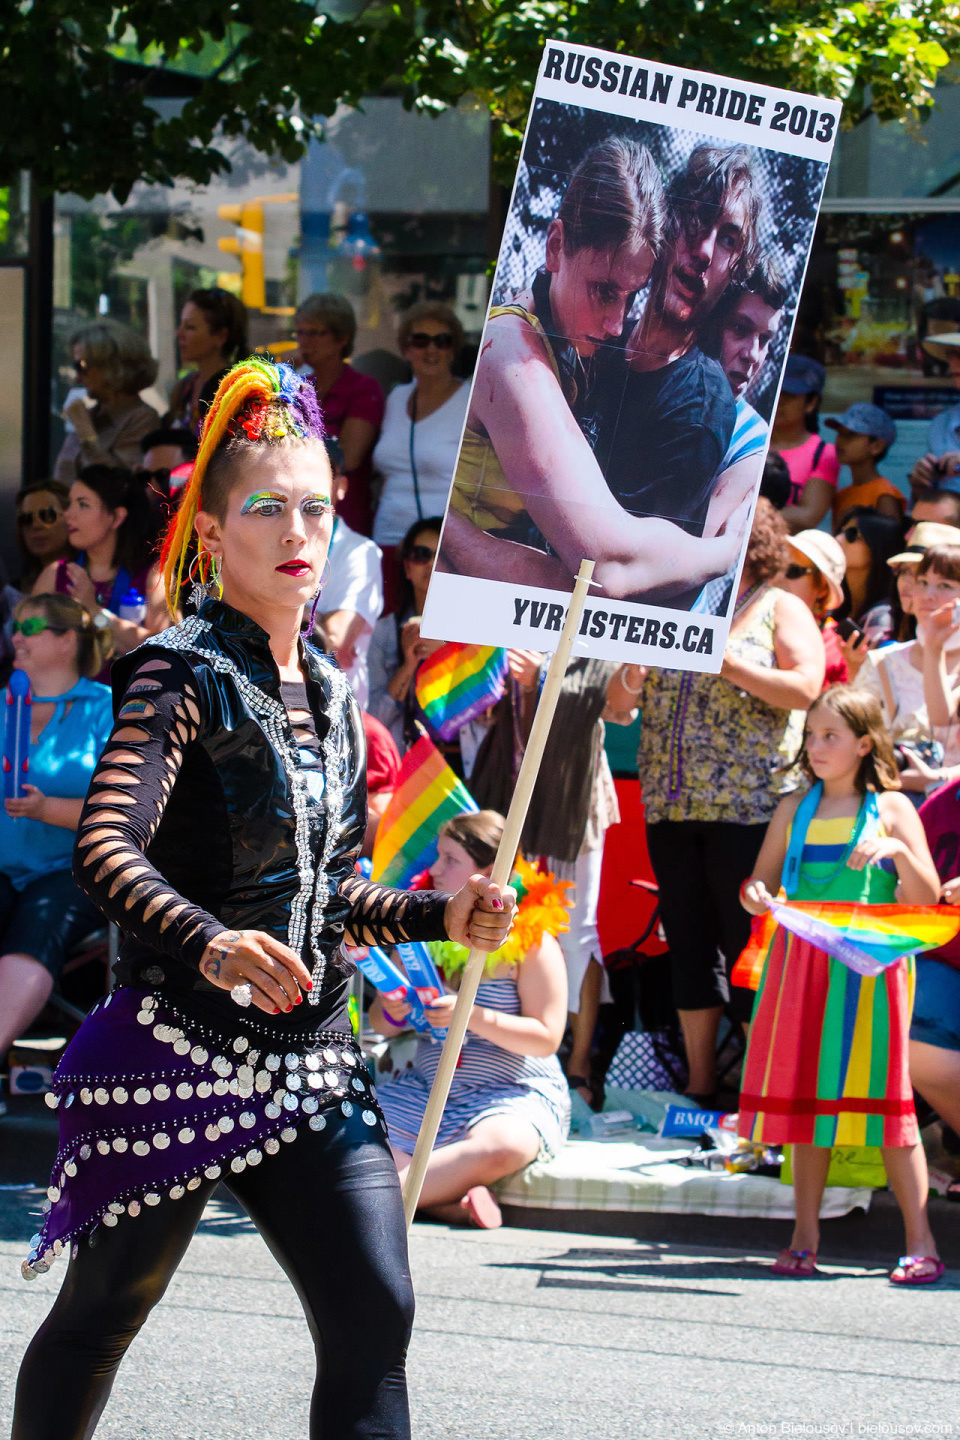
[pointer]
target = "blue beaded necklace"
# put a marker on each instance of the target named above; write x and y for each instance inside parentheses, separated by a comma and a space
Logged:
(867, 821)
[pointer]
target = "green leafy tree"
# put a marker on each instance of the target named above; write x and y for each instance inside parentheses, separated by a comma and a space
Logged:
(81, 116)
(879, 57)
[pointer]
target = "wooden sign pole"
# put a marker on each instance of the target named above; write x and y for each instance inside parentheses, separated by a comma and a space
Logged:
(502, 868)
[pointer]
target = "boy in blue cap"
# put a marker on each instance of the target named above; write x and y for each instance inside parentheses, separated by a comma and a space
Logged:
(864, 435)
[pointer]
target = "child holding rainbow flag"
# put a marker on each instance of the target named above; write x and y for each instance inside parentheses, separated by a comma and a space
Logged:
(826, 1062)
(509, 1103)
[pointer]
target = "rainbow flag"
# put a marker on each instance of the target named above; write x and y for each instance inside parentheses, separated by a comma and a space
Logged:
(427, 792)
(866, 938)
(457, 683)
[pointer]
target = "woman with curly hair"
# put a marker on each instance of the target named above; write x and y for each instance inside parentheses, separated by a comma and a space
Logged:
(508, 1104)
(114, 364)
(716, 754)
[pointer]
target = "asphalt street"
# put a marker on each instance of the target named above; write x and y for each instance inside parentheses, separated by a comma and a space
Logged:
(523, 1334)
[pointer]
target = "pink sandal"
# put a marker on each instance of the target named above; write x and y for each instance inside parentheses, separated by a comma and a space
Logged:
(796, 1264)
(911, 1273)
(481, 1208)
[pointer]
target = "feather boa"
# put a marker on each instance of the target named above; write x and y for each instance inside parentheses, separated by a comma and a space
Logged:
(543, 909)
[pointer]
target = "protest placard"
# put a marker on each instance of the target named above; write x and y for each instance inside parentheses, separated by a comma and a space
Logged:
(630, 363)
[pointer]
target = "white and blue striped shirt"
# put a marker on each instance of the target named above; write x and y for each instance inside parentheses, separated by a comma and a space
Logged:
(749, 436)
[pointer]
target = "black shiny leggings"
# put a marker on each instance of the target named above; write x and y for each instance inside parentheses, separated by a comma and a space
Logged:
(328, 1205)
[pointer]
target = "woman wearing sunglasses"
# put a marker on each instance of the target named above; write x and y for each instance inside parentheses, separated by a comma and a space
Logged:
(42, 537)
(868, 540)
(42, 913)
(417, 449)
(815, 575)
(396, 648)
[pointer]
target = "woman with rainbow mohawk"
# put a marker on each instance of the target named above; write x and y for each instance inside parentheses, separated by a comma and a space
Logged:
(220, 833)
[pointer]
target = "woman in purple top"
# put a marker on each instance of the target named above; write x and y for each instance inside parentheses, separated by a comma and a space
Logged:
(108, 524)
(352, 403)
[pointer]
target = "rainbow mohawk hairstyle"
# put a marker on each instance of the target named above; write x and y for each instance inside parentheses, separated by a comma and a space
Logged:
(258, 402)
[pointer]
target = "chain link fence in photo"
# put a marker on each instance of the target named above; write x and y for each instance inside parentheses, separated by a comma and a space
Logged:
(558, 137)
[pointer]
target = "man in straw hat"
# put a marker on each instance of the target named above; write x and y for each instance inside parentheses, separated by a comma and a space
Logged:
(923, 535)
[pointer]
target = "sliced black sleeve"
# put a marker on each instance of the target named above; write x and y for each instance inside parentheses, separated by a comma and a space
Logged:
(380, 915)
(159, 717)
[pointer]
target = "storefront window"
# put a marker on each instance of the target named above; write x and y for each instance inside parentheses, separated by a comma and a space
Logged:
(885, 274)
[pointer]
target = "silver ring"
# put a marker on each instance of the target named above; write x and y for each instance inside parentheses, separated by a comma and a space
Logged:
(242, 995)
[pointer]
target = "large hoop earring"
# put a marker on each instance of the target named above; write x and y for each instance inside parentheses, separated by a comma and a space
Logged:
(204, 577)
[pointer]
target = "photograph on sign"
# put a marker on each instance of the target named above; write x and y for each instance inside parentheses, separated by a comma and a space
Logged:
(630, 363)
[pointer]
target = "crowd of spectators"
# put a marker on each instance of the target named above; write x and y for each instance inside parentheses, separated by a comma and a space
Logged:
(843, 583)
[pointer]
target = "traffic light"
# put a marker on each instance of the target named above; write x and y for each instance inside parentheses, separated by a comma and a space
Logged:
(248, 244)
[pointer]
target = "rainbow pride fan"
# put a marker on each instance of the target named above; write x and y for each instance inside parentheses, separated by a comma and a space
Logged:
(867, 938)
(458, 682)
(426, 793)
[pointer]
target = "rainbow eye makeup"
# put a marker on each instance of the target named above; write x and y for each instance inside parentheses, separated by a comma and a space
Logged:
(268, 502)
(264, 502)
(316, 505)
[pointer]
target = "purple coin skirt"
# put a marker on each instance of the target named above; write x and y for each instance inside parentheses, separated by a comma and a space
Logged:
(152, 1102)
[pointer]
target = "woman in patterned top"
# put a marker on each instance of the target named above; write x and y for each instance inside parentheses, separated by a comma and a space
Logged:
(220, 833)
(716, 753)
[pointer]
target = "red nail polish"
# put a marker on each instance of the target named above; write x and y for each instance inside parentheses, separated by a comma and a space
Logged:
(309, 984)
(498, 904)
(276, 1009)
(299, 1000)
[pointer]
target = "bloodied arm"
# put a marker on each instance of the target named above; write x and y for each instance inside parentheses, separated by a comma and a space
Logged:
(518, 402)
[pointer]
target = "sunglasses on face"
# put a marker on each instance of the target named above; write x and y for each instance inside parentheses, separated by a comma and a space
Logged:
(47, 516)
(35, 625)
(420, 554)
(851, 534)
(797, 572)
(419, 340)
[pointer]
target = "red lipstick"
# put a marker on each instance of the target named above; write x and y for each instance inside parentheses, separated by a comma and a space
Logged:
(294, 567)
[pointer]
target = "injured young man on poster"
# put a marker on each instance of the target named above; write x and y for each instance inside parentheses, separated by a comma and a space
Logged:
(529, 498)
(662, 412)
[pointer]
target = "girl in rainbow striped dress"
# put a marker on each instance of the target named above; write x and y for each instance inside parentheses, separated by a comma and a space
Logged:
(826, 1062)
